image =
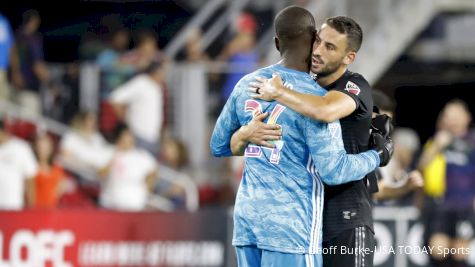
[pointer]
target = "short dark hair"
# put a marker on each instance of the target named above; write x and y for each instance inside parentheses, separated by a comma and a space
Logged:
(348, 26)
(293, 21)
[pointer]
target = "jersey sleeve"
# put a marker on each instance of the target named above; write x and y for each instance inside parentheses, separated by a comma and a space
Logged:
(329, 157)
(226, 125)
(359, 90)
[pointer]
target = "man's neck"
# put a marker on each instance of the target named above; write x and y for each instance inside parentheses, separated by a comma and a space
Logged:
(331, 78)
(294, 64)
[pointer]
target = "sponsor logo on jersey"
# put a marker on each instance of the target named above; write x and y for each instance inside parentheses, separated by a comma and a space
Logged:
(352, 88)
(348, 214)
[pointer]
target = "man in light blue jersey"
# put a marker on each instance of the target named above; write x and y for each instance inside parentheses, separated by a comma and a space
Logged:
(279, 204)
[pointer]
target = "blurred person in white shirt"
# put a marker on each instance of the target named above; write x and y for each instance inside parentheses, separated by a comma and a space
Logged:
(130, 177)
(84, 149)
(139, 103)
(17, 169)
(399, 177)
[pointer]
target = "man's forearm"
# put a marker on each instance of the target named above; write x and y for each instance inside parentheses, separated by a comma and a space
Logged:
(307, 105)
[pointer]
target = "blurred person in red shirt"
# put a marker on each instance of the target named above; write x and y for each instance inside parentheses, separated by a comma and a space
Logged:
(50, 175)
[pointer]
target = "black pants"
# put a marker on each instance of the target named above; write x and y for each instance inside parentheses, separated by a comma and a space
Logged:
(351, 248)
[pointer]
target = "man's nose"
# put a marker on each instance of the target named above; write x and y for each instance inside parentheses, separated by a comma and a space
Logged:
(316, 51)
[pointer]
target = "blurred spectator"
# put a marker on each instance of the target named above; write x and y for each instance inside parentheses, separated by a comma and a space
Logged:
(84, 149)
(71, 82)
(6, 49)
(34, 73)
(139, 102)
(240, 53)
(92, 42)
(383, 103)
(174, 154)
(448, 165)
(114, 71)
(49, 180)
(194, 47)
(61, 99)
(130, 177)
(399, 177)
(17, 169)
(145, 51)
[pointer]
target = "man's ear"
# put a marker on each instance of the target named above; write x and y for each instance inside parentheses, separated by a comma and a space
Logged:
(276, 42)
(349, 58)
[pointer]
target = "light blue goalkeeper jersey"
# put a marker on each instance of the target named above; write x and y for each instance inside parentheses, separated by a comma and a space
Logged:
(279, 203)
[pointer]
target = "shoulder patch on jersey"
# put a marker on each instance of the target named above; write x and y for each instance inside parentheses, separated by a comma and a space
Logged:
(352, 88)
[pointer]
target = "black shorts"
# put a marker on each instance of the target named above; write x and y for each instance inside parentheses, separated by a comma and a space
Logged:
(351, 248)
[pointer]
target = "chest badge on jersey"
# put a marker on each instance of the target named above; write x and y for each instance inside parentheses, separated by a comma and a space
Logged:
(352, 88)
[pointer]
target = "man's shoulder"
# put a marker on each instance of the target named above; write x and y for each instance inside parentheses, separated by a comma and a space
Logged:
(356, 76)
(265, 72)
(353, 78)
(243, 83)
(354, 84)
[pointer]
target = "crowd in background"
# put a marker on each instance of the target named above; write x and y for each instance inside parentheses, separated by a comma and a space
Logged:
(109, 159)
(96, 162)
(126, 137)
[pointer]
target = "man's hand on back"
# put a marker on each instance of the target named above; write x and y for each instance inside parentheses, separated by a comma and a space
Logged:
(267, 89)
(260, 133)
